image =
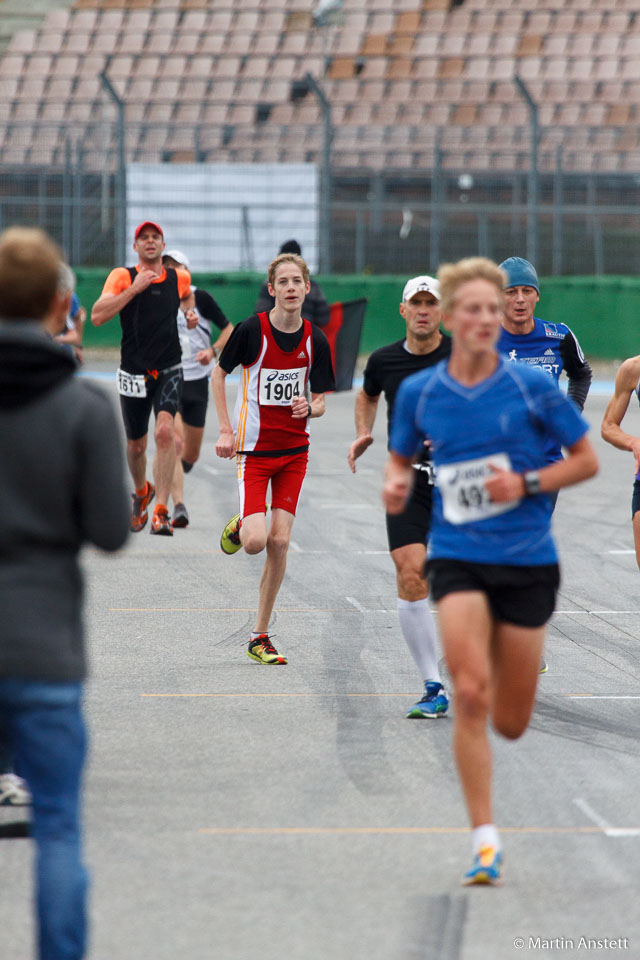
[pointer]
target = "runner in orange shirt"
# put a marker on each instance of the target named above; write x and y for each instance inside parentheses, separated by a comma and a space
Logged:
(147, 297)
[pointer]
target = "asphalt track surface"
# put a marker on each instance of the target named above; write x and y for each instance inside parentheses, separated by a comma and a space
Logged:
(235, 811)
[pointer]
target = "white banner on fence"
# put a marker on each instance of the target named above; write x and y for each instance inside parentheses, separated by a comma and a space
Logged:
(227, 216)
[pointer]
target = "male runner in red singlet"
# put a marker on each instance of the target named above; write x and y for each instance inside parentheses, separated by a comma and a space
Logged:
(282, 356)
(147, 297)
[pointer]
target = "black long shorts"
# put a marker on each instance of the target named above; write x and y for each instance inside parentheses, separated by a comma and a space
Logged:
(412, 525)
(525, 596)
(163, 393)
(635, 498)
(193, 404)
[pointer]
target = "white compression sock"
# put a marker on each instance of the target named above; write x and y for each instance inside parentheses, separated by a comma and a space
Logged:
(486, 835)
(419, 631)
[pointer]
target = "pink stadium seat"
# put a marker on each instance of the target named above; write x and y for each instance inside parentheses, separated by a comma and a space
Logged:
(173, 66)
(24, 41)
(478, 44)
(147, 66)
(554, 44)
(198, 66)
(451, 45)
(111, 20)
(580, 44)
(504, 44)
(212, 42)
(49, 42)
(193, 21)
(57, 19)
(103, 42)
(427, 45)
(630, 68)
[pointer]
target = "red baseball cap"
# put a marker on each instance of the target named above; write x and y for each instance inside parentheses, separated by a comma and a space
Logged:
(147, 223)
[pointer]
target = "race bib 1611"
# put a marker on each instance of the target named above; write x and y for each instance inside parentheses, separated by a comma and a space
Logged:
(130, 384)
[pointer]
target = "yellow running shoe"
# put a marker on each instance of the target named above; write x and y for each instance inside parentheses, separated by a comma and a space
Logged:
(230, 539)
(262, 650)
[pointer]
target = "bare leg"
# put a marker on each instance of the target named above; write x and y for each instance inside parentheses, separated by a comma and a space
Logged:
(192, 442)
(516, 656)
(466, 628)
(274, 567)
(409, 564)
(636, 536)
(137, 461)
(165, 460)
(177, 488)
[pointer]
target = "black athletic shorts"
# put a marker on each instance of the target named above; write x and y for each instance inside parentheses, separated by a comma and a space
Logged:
(163, 393)
(525, 596)
(412, 525)
(635, 498)
(193, 405)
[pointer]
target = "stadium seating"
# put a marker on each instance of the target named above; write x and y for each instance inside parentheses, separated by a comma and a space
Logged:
(400, 79)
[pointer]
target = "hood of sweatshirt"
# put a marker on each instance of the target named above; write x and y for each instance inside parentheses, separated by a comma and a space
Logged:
(31, 363)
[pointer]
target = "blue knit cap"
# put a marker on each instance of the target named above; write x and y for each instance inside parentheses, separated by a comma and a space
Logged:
(520, 273)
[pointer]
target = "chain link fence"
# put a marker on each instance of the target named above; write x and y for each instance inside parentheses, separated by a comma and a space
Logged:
(408, 203)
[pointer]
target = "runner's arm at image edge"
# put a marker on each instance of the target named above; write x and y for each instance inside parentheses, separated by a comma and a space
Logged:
(611, 430)
(226, 443)
(577, 369)
(366, 408)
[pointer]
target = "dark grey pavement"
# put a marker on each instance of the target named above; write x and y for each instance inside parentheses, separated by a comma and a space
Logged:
(235, 811)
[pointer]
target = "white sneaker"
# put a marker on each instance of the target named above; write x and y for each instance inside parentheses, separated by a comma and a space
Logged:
(14, 791)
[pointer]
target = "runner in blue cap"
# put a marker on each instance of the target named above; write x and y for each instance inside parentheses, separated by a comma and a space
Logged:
(551, 347)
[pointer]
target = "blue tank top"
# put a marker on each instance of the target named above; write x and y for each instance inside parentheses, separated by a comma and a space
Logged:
(507, 419)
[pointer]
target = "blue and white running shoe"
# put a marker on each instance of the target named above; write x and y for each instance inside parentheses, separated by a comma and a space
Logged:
(433, 704)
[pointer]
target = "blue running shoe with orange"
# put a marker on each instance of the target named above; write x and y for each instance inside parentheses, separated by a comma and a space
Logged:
(486, 868)
(433, 704)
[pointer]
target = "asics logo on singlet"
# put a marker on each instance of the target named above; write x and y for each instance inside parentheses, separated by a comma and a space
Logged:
(282, 377)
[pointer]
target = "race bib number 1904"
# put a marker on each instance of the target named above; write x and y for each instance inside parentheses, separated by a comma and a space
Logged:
(463, 491)
(279, 387)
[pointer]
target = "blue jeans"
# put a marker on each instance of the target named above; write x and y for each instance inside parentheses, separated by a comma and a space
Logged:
(48, 740)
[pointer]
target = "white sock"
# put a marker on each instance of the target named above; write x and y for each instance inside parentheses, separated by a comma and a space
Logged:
(419, 630)
(486, 835)
(254, 635)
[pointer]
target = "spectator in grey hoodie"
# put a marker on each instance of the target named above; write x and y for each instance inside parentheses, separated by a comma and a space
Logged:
(62, 485)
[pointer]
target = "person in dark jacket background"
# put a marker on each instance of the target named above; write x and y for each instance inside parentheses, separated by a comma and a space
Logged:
(62, 485)
(315, 308)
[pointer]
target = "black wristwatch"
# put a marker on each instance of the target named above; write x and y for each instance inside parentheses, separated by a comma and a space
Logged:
(309, 410)
(531, 483)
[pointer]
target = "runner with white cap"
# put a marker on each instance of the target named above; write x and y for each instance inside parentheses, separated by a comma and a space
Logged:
(423, 346)
(199, 316)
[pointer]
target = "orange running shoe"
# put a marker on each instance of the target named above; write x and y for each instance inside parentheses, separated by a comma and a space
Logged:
(160, 523)
(139, 514)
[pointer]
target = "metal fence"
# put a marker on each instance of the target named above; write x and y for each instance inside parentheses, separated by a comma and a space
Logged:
(378, 217)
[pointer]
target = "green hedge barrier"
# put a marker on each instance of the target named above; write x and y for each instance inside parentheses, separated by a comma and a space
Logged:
(603, 312)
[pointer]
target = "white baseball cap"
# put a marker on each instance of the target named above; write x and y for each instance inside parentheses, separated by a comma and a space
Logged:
(421, 285)
(178, 256)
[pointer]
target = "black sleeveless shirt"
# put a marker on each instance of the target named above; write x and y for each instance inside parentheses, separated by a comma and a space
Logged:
(149, 326)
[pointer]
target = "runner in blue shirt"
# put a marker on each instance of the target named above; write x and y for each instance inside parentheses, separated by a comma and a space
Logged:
(492, 564)
(548, 347)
